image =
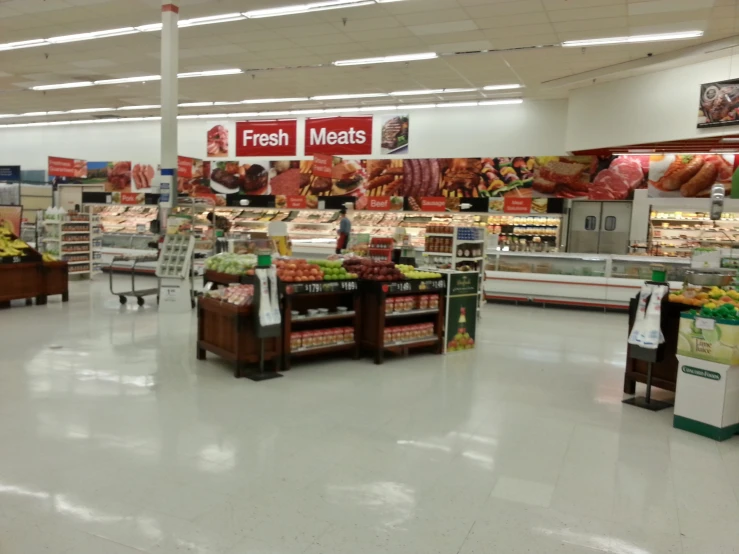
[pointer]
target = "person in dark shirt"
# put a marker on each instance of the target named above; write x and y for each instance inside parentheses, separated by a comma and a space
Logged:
(345, 230)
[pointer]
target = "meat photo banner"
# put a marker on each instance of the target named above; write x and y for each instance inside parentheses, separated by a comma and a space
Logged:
(67, 167)
(719, 104)
(460, 180)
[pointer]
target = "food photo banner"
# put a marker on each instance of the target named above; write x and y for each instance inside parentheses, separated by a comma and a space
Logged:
(719, 104)
(67, 167)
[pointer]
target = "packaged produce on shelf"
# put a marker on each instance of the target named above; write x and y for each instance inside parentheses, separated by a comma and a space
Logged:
(232, 264)
(238, 295)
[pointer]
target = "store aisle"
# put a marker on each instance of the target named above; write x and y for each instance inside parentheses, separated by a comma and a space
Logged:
(116, 440)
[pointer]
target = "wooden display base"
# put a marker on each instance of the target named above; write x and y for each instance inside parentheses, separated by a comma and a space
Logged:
(229, 331)
(22, 281)
(56, 279)
(374, 296)
(322, 294)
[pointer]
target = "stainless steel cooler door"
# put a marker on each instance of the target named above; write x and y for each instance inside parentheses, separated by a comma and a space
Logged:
(615, 227)
(585, 224)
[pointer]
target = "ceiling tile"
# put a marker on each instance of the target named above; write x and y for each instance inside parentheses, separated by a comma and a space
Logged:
(588, 13)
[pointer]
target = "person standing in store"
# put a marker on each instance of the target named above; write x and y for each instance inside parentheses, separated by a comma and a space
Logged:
(345, 230)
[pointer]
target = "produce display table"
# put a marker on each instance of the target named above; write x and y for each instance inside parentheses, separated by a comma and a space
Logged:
(230, 332)
(23, 280)
(56, 279)
(326, 332)
(225, 279)
(381, 319)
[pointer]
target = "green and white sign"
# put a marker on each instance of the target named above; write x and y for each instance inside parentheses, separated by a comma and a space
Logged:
(698, 372)
(461, 312)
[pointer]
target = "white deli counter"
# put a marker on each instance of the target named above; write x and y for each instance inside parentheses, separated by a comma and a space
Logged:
(587, 280)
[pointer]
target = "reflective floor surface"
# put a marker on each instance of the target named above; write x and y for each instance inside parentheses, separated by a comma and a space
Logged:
(116, 440)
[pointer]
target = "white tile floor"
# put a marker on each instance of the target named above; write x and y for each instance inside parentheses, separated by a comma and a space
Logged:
(115, 440)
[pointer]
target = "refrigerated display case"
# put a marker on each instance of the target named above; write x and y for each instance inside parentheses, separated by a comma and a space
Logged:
(527, 233)
(677, 233)
(588, 280)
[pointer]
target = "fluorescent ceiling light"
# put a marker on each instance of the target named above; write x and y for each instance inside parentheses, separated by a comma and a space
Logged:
(501, 87)
(457, 90)
(270, 114)
(144, 107)
(416, 92)
(389, 59)
(122, 80)
(273, 100)
(500, 102)
(305, 8)
(93, 35)
(31, 114)
(419, 106)
(634, 39)
(223, 18)
(195, 104)
(373, 108)
(213, 73)
(149, 28)
(349, 96)
(226, 103)
(339, 110)
(23, 44)
(307, 112)
(457, 105)
(79, 84)
(91, 110)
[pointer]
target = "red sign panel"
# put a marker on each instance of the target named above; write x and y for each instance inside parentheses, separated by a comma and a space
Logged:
(338, 136)
(323, 165)
(267, 138)
(512, 205)
(184, 167)
(378, 203)
(67, 167)
(432, 204)
(296, 202)
(132, 198)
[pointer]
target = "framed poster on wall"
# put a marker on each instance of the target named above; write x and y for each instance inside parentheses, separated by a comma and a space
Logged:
(719, 104)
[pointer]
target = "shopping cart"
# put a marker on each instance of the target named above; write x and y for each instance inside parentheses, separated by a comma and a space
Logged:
(133, 293)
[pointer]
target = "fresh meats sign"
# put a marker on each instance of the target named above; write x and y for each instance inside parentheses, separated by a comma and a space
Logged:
(266, 138)
(341, 136)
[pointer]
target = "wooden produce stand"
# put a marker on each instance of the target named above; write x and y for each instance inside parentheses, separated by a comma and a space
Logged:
(313, 336)
(377, 316)
(225, 279)
(230, 332)
(56, 279)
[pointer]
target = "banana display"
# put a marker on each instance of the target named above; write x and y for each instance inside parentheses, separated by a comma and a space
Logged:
(11, 246)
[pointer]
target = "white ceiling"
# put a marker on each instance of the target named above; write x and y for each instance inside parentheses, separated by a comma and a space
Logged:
(410, 26)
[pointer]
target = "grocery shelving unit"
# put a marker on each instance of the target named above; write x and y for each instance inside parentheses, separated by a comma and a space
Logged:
(467, 252)
(320, 295)
(378, 316)
(70, 239)
(527, 232)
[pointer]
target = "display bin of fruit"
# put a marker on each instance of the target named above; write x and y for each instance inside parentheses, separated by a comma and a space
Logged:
(228, 330)
(711, 334)
(401, 303)
(225, 269)
(56, 278)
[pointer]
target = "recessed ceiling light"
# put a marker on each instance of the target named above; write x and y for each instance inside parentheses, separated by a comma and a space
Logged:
(634, 39)
(501, 87)
(389, 59)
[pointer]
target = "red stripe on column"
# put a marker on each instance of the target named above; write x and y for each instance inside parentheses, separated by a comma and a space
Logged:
(170, 8)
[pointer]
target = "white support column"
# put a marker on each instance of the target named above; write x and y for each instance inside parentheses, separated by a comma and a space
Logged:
(169, 101)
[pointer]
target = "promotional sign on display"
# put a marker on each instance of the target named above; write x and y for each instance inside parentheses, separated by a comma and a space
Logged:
(11, 218)
(718, 104)
(296, 202)
(128, 198)
(67, 167)
(461, 311)
(118, 177)
(338, 136)
(689, 175)
(433, 204)
(513, 205)
(267, 138)
(323, 165)
(11, 173)
(384, 203)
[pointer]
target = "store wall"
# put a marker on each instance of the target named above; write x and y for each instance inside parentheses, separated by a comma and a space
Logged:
(654, 107)
(531, 128)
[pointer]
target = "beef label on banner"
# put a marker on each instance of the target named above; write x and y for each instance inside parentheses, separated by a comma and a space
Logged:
(339, 136)
(267, 138)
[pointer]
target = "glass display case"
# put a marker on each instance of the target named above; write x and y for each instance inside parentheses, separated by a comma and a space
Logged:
(597, 280)
(676, 234)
